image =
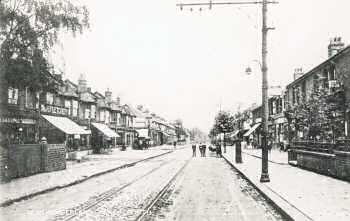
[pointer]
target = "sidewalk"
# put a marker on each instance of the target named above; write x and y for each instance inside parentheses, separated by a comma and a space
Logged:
(301, 194)
(275, 156)
(94, 165)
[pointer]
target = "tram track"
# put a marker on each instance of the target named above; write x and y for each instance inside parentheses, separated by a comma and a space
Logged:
(160, 194)
(74, 212)
(94, 203)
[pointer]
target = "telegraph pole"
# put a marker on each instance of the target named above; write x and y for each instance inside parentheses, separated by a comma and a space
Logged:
(264, 166)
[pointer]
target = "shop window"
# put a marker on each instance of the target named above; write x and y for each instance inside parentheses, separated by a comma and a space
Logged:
(12, 95)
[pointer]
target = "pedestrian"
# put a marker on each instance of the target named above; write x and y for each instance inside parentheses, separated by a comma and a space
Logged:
(174, 144)
(194, 146)
(200, 149)
(218, 150)
(204, 149)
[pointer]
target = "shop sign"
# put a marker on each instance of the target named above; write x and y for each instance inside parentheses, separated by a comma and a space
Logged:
(46, 108)
(16, 121)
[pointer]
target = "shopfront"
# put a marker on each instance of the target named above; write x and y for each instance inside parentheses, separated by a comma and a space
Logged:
(18, 130)
(103, 136)
(63, 130)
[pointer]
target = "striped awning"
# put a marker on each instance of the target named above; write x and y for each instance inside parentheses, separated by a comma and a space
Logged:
(251, 130)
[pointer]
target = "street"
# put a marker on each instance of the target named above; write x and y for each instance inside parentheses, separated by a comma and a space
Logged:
(207, 189)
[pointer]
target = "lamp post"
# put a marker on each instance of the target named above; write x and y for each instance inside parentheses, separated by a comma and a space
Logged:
(265, 29)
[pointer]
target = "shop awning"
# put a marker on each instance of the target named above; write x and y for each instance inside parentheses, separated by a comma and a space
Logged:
(143, 133)
(105, 130)
(65, 125)
(234, 134)
(251, 130)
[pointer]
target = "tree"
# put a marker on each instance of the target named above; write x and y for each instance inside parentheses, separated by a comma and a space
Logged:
(197, 135)
(223, 124)
(28, 30)
(321, 116)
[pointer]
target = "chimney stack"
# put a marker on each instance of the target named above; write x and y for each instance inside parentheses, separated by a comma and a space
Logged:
(108, 95)
(298, 72)
(82, 84)
(118, 101)
(335, 45)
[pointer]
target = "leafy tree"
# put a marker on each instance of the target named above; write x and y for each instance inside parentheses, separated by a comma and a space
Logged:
(321, 116)
(28, 29)
(197, 135)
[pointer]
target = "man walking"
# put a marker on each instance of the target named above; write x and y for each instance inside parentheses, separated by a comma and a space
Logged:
(204, 149)
(194, 146)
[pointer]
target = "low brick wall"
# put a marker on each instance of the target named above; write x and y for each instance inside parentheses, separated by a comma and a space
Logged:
(336, 165)
(24, 160)
(319, 162)
(28, 159)
(54, 157)
(342, 164)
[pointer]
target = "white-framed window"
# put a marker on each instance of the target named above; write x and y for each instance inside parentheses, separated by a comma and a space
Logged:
(107, 120)
(102, 116)
(75, 108)
(87, 113)
(12, 95)
(49, 98)
(67, 104)
(93, 111)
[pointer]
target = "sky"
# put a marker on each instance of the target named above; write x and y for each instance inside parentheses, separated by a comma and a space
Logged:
(190, 64)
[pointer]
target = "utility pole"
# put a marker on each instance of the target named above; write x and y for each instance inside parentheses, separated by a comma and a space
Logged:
(264, 170)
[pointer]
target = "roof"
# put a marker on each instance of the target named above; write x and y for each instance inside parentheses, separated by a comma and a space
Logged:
(65, 125)
(105, 130)
(312, 71)
(251, 130)
(143, 133)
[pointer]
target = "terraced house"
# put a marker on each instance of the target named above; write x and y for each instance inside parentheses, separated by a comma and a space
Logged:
(332, 76)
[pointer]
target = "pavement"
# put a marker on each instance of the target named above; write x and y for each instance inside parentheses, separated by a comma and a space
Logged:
(92, 166)
(300, 194)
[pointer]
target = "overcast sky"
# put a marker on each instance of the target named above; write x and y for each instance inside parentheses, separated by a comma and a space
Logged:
(184, 64)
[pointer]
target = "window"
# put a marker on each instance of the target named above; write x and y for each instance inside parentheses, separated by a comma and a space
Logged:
(12, 95)
(30, 99)
(49, 98)
(332, 74)
(107, 117)
(93, 111)
(67, 104)
(102, 116)
(75, 108)
(87, 114)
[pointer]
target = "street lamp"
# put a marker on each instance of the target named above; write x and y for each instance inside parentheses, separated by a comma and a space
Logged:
(264, 149)
(265, 29)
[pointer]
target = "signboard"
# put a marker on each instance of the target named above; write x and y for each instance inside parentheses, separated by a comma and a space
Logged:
(46, 108)
(16, 121)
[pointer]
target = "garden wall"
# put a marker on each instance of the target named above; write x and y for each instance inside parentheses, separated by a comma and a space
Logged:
(28, 159)
(336, 164)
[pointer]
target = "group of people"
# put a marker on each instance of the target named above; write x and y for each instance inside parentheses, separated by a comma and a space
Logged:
(202, 149)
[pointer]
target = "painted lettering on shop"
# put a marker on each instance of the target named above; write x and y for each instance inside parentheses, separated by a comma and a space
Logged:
(53, 109)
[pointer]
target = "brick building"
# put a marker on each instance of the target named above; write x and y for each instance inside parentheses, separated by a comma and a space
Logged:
(332, 75)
